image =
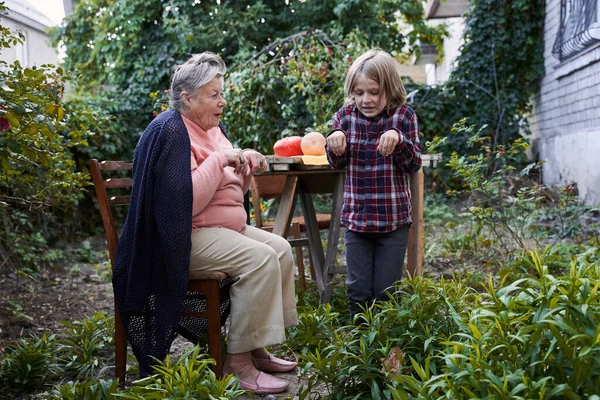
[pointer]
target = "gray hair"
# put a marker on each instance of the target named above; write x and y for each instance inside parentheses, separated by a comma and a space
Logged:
(196, 72)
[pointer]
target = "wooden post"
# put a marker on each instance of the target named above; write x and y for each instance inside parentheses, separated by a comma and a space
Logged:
(414, 265)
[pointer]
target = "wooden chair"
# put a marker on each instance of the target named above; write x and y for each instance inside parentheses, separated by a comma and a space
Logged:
(212, 288)
(271, 186)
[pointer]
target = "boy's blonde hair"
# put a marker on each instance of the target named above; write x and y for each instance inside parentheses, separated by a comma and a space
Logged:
(381, 67)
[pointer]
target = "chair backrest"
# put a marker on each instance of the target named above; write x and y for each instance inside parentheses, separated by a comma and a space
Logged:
(118, 186)
(265, 187)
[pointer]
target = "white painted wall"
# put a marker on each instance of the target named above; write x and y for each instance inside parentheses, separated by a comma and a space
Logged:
(440, 72)
(566, 116)
(36, 49)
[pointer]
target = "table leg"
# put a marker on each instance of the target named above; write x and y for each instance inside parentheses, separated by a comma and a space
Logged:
(314, 239)
(333, 237)
(285, 212)
(324, 264)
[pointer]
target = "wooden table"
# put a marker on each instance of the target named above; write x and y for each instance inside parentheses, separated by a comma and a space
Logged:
(305, 180)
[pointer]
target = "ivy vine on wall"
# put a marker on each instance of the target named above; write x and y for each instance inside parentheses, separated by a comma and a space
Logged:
(499, 69)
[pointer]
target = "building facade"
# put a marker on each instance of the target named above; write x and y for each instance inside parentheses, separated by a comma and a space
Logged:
(36, 48)
(566, 116)
(565, 121)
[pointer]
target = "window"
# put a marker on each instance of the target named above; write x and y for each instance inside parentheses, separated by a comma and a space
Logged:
(21, 54)
(579, 27)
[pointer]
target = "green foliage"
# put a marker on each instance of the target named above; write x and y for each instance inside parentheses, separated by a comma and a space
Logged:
(16, 310)
(503, 213)
(40, 184)
(291, 87)
(189, 377)
(522, 336)
(88, 389)
(35, 147)
(84, 343)
(130, 47)
(535, 337)
(360, 360)
(507, 209)
(26, 365)
(497, 73)
(315, 328)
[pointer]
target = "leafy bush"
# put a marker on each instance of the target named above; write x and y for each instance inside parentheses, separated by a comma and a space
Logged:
(84, 343)
(413, 323)
(534, 337)
(40, 184)
(88, 389)
(504, 205)
(520, 337)
(496, 73)
(486, 176)
(28, 364)
(189, 377)
(278, 86)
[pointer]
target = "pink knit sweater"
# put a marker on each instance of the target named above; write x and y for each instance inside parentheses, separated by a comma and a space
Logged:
(218, 191)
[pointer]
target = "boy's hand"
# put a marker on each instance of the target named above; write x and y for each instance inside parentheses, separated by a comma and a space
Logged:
(388, 142)
(337, 143)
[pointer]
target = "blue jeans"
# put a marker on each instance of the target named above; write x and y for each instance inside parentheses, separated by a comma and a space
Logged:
(374, 262)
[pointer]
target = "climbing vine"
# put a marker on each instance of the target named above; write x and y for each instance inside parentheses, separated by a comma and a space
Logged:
(497, 72)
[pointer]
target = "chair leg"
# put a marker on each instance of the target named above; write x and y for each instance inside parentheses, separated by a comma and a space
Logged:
(120, 348)
(295, 231)
(214, 326)
(312, 266)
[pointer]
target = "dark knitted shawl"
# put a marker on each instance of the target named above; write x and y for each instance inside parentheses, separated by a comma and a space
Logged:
(151, 270)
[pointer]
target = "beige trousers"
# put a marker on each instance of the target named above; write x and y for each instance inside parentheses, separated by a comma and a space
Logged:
(263, 301)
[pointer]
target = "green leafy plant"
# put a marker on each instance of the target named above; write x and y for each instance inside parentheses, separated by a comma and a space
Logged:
(486, 176)
(16, 310)
(189, 377)
(88, 389)
(496, 73)
(520, 335)
(121, 46)
(28, 364)
(364, 359)
(82, 348)
(103, 271)
(315, 328)
(529, 337)
(40, 186)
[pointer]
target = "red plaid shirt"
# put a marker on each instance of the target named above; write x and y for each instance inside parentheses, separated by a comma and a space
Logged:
(376, 191)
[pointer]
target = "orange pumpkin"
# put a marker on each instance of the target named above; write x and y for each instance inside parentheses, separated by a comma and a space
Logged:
(288, 147)
(313, 144)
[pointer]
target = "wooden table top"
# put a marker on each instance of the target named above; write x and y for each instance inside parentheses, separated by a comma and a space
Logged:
(320, 162)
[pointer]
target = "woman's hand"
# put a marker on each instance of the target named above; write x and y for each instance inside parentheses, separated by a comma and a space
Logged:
(236, 159)
(336, 142)
(388, 142)
(257, 162)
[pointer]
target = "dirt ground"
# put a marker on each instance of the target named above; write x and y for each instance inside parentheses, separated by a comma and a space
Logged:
(33, 307)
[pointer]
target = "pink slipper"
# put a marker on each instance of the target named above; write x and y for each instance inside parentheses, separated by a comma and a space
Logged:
(265, 384)
(273, 364)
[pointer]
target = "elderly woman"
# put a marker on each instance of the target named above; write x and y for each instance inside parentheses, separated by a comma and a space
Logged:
(187, 213)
